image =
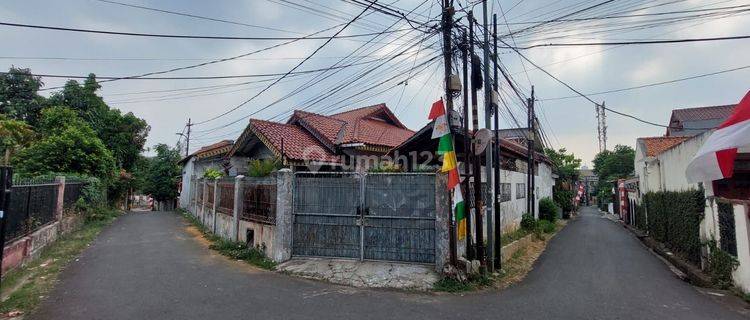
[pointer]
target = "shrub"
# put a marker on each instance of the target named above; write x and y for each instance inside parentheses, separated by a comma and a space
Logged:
(720, 266)
(547, 210)
(674, 219)
(262, 168)
(564, 200)
(385, 167)
(547, 226)
(212, 174)
(528, 222)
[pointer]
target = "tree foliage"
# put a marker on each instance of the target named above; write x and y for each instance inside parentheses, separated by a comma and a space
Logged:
(162, 174)
(566, 163)
(14, 134)
(73, 147)
(615, 164)
(18, 95)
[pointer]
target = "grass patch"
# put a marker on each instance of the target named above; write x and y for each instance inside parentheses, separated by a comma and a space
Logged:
(232, 249)
(32, 282)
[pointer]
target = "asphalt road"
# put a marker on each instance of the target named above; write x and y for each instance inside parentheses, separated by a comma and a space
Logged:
(147, 266)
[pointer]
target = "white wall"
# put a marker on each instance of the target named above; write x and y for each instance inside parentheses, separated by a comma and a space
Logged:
(674, 162)
(741, 276)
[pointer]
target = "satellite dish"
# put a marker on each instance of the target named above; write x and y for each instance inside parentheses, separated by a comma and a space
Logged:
(481, 140)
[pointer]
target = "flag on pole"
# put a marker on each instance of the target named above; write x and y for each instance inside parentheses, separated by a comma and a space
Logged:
(715, 159)
(441, 130)
(458, 205)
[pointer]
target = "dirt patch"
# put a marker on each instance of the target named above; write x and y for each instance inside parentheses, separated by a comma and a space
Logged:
(197, 235)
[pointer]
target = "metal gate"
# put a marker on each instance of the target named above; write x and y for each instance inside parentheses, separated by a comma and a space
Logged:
(374, 216)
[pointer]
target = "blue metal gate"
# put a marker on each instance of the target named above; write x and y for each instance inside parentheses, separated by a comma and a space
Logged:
(374, 216)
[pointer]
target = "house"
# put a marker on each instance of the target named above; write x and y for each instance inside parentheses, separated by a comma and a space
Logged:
(589, 180)
(193, 166)
(420, 151)
(694, 121)
(352, 140)
(660, 165)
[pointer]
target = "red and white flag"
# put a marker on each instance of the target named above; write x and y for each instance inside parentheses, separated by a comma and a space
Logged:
(715, 159)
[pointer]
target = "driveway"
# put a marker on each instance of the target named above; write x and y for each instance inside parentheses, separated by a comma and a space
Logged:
(149, 266)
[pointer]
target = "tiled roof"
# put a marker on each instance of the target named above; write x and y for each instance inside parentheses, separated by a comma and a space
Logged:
(217, 145)
(373, 125)
(703, 113)
(657, 145)
(218, 148)
(298, 143)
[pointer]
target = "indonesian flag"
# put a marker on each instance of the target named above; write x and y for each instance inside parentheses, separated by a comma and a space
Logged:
(441, 130)
(715, 159)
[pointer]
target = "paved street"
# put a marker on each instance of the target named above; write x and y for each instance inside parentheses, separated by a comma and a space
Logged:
(147, 266)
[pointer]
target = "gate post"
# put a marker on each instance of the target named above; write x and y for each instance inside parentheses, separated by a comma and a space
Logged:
(217, 197)
(284, 220)
(239, 197)
(203, 201)
(442, 229)
(60, 181)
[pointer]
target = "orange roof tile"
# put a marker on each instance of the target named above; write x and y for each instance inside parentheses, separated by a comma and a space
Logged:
(656, 145)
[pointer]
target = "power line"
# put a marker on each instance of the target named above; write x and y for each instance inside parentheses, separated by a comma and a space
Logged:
(652, 84)
(181, 36)
(257, 75)
(290, 71)
(196, 16)
(620, 43)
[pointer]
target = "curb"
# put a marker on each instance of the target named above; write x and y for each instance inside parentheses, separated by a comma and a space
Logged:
(692, 274)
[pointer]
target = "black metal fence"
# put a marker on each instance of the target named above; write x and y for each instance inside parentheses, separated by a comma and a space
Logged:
(73, 192)
(31, 206)
(259, 203)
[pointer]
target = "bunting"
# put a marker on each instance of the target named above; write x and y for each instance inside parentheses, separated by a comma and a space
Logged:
(441, 130)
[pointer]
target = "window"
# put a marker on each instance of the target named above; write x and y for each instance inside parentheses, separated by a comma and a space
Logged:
(505, 192)
(520, 190)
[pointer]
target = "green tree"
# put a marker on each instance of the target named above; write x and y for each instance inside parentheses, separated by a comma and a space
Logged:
(566, 163)
(13, 135)
(123, 134)
(163, 174)
(615, 164)
(18, 95)
(72, 147)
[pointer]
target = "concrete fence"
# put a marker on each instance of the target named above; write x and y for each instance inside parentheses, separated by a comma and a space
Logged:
(252, 210)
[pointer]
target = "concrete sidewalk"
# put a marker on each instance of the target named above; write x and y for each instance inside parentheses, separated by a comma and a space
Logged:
(364, 274)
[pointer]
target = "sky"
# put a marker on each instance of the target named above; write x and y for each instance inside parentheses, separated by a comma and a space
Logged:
(569, 123)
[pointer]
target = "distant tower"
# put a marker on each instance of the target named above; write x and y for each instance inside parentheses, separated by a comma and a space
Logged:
(601, 119)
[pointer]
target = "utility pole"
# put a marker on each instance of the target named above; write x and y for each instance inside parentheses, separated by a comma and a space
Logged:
(530, 157)
(187, 142)
(467, 143)
(489, 207)
(476, 172)
(447, 30)
(601, 126)
(498, 163)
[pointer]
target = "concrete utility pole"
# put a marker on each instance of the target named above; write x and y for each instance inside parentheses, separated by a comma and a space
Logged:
(467, 144)
(489, 207)
(477, 167)
(447, 30)
(498, 163)
(187, 142)
(530, 201)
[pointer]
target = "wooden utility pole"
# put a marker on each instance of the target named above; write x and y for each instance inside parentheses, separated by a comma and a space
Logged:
(467, 144)
(497, 164)
(489, 207)
(476, 172)
(447, 30)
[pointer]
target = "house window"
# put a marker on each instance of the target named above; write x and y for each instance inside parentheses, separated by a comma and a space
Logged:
(727, 236)
(505, 192)
(520, 190)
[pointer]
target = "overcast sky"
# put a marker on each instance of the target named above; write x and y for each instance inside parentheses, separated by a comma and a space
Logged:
(569, 123)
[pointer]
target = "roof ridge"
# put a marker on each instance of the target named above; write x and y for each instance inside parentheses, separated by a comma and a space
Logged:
(706, 107)
(382, 104)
